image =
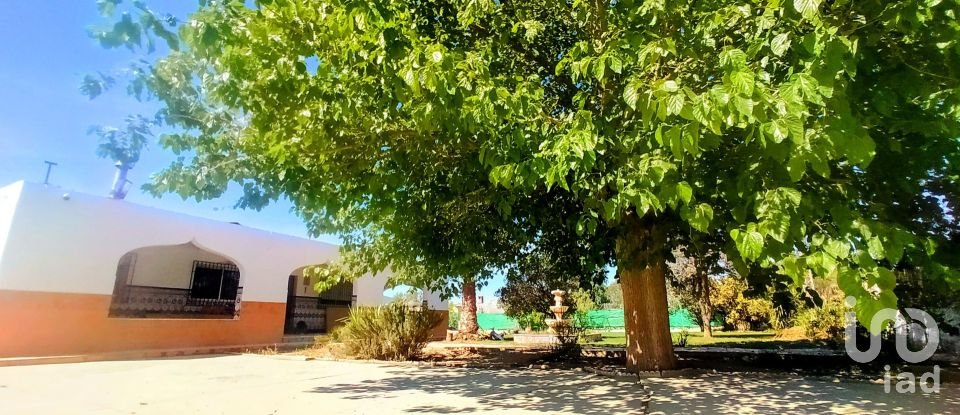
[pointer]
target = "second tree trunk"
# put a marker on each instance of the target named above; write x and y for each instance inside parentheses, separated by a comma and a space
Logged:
(468, 309)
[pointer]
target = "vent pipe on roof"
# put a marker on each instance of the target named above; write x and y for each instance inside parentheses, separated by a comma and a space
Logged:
(119, 191)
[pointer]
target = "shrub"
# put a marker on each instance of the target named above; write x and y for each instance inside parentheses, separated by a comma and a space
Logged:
(822, 323)
(389, 332)
(453, 323)
(740, 311)
(583, 304)
(682, 338)
(568, 339)
(532, 321)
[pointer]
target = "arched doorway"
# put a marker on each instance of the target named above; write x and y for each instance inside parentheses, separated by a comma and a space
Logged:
(309, 311)
(176, 281)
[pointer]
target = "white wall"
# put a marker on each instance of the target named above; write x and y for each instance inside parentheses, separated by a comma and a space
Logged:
(9, 196)
(73, 244)
(434, 302)
(369, 290)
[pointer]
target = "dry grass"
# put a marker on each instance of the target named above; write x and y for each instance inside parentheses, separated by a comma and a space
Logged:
(786, 339)
(265, 351)
(792, 333)
(325, 348)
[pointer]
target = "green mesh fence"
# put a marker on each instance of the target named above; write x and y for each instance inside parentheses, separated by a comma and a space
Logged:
(596, 319)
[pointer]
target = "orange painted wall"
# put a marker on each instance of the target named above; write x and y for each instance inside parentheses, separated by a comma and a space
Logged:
(56, 324)
(439, 332)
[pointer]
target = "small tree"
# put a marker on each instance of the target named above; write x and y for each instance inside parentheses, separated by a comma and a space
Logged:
(123, 146)
(584, 301)
(528, 285)
(692, 274)
(614, 296)
(556, 261)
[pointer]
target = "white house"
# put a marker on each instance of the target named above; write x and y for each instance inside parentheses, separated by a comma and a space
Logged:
(83, 274)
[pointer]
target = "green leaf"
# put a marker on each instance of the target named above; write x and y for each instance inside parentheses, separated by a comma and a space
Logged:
(886, 279)
(409, 77)
(807, 8)
(675, 104)
(685, 192)
(780, 44)
(776, 226)
(808, 85)
(631, 93)
(744, 105)
(875, 248)
(779, 130)
(749, 243)
(838, 249)
(599, 69)
(796, 167)
(790, 195)
(670, 86)
(674, 137)
(850, 283)
(698, 217)
(795, 127)
(733, 58)
(860, 148)
(742, 82)
(615, 63)
(107, 7)
(791, 267)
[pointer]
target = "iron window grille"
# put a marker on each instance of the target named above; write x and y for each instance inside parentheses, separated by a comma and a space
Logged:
(214, 281)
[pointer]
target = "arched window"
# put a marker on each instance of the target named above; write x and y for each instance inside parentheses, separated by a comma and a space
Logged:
(176, 281)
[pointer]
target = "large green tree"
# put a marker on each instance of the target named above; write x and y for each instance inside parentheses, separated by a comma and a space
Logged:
(811, 133)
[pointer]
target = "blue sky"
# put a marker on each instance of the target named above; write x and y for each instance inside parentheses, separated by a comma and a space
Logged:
(44, 117)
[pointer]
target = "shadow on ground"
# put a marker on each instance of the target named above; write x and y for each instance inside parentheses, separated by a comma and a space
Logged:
(550, 391)
(558, 391)
(785, 393)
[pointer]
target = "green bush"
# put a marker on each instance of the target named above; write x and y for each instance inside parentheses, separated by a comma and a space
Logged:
(389, 332)
(568, 340)
(453, 322)
(822, 323)
(532, 321)
(583, 304)
(740, 311)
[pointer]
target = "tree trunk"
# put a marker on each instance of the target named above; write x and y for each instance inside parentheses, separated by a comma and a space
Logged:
(641, 265)
(468, 309)
(703, 301)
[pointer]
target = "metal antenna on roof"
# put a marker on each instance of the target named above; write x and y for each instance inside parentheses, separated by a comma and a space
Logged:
(50, 164)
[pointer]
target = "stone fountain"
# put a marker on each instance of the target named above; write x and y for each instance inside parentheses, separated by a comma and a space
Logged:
(556, 324)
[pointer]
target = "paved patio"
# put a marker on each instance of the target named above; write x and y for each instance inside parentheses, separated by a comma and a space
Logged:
(264, 385)
(779, 393)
